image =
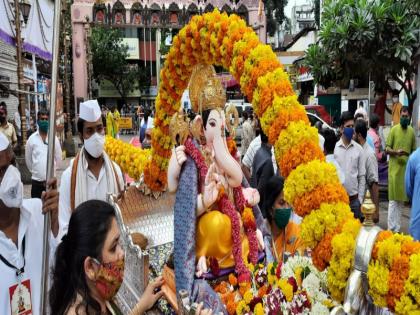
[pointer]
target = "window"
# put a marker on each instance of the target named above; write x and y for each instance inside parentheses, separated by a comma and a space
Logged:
(4, 86)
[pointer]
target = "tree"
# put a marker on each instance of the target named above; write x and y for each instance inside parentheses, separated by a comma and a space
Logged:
(109, 60)
(274, 11)
(362, 37)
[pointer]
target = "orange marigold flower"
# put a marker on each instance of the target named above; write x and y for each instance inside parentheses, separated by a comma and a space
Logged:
(248, 218)
(302, 153)
(322, 253)
(243, 287)
(383, 235)
(328, 193)
(232, 280)
(259, 69)
(231, 307)
(396, 279)
(283, 119)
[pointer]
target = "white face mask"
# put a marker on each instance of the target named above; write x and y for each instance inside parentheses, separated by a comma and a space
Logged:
(95, 145)
(11, 188)
(395, 99)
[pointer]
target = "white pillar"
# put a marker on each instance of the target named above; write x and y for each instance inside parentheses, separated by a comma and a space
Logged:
(158, 40)
(35, 78)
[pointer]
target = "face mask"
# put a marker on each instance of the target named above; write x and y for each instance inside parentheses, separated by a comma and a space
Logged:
(43, 125)
(348, 133)
(282, 216)
(95, 145)
(11, 188)
(2, 119)
(109, 278)
(404, 121)
(395, 99)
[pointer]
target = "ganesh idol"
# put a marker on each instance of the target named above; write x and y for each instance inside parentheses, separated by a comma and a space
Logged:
(218, 225)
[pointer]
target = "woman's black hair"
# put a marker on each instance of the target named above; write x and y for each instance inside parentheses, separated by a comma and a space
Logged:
(272, 189)
(87, 231)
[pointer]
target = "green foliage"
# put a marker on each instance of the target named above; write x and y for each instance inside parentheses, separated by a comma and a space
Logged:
(274, 11)
(109, 61)
(358, 37)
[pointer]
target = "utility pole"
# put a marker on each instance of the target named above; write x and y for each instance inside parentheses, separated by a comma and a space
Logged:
(21, 96)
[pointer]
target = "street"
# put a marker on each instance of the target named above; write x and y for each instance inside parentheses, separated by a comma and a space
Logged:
(383, 203)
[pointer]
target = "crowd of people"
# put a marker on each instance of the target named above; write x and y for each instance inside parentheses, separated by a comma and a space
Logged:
(86, 252)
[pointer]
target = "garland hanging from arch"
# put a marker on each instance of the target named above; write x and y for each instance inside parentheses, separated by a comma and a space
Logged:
(312, 185)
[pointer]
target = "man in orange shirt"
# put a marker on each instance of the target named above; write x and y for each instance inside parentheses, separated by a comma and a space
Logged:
(396, 107)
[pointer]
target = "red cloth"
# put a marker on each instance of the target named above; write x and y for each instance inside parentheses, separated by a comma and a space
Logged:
(380, 110)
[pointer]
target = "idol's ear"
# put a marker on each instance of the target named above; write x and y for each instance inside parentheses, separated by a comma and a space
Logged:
(197, 128)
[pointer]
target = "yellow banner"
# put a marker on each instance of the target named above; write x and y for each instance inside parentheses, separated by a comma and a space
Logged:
(126, 123)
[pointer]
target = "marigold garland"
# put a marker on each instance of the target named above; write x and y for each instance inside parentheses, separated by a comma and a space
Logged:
(296, 133)
(307, 177)
(341, 262)
(390, 258)
(323, 194)
(132, 160)
(322, 221)
(275, 83)
(302, 153)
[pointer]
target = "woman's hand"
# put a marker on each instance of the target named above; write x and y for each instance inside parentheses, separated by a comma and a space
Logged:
(149, 297)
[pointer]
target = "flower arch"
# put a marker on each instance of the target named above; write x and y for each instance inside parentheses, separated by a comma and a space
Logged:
(312, 185)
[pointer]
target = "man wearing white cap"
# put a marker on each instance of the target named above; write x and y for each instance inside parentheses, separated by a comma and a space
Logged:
(21, 237)
(92, 174)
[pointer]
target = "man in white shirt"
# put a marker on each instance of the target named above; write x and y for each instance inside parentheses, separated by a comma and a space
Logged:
(36, 154)
(361, 110)
(349, 156)
(92, 174)
(248, 159)
(248, 133)
(329, 146)
(371, 163)
(21, 238)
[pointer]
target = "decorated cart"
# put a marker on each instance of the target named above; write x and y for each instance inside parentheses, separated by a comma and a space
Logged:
(192, 201)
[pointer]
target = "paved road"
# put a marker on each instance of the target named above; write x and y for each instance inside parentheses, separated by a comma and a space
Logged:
(383, 204)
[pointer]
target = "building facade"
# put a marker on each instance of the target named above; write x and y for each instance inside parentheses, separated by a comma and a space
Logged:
(146, 25)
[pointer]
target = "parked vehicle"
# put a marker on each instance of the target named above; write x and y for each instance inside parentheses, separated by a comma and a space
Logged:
(320, 111)
(313, 118)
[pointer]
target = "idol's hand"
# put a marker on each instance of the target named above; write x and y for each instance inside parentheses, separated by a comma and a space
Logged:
(178, 158)
(251, 195)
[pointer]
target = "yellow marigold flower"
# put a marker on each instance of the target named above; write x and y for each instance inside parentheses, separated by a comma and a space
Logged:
(248, 296)
(286, 288)
(322, 221)
(308, 176)
(297, 132)
(378, 283)
(241, 308)
(259, 310)
(390, 248)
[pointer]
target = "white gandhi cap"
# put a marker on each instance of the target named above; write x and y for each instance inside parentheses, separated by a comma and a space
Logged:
(4, 142)
(90, 111)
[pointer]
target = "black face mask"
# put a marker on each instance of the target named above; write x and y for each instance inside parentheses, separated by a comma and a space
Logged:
(2, 119)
